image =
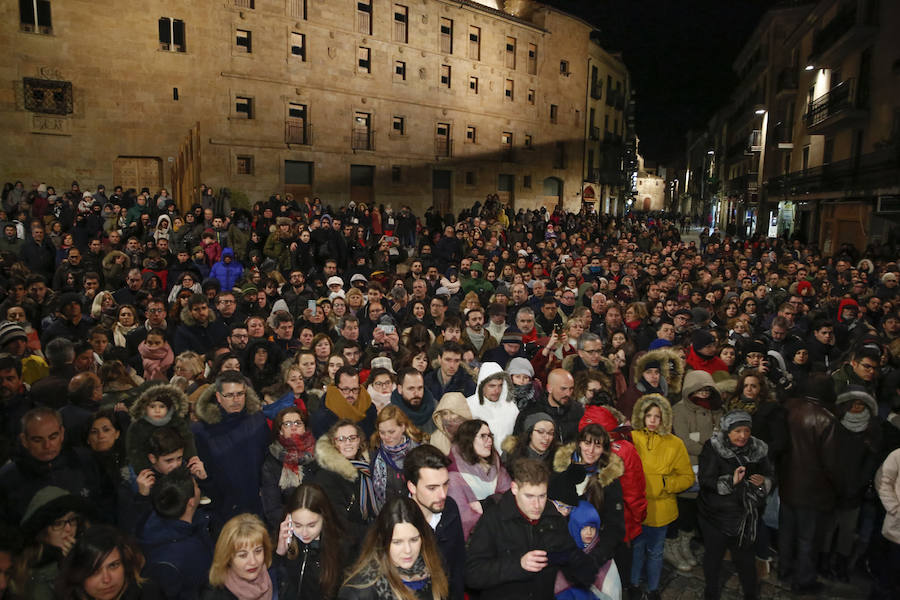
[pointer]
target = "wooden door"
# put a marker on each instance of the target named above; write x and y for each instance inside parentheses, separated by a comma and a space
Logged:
(138, 172)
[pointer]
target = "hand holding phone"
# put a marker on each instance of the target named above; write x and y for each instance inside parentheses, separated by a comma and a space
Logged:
(311, 305)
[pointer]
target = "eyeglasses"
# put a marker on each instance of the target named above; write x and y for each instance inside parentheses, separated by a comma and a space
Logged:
(349, 390)
(233, 395)
(544, 432)
(60, 524)
(293, 424)
(346, 438)
(869, 366)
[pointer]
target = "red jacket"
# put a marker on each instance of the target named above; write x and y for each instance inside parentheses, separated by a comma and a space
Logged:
(634, 487)
(710, 365)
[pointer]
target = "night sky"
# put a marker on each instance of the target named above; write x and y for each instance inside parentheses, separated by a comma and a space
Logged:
(679, 54)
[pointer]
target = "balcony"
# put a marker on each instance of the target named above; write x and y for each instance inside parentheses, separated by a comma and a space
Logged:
(596, 90)
(837, 109)
(297, 132)
(743, 185)
(611, 96)
(782, 136)
(443, 146)
(594, 133)
(867, 172)
(786, 83)
(754, 143)
(850, 29)
(362, 139)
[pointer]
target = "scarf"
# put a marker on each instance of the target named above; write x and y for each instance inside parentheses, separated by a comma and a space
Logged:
(335, 402)
(378, 399)
(119, 333)
(856, 422)
(745, 404)
(633, 325)
(258, 589)
(477, 339)
(292, 452)
(156, 361)
(523, 394)
(162, 422)
(389, 463)
(417, 572)
(366, 490)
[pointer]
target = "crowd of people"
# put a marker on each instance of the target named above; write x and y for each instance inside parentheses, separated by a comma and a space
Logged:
(304, 401)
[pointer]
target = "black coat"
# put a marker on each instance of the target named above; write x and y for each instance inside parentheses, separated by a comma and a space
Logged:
(452, 544)
(299, 577)
(500, 539)
(720, 502)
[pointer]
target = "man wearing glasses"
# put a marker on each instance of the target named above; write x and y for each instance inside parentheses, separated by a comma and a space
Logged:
(156, 319)
(231, 435)
(345, 400)
(862, 370)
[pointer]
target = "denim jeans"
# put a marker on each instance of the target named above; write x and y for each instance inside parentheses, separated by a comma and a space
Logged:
(648, 550)
(797, 552)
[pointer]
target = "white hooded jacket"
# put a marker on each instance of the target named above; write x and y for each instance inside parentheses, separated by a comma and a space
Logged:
(501, 415)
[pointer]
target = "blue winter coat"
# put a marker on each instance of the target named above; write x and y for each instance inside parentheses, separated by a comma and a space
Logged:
(178, 554)
(228, 274)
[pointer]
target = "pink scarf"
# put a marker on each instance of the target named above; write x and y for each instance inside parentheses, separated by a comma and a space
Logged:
(156, 361)
(258, 589)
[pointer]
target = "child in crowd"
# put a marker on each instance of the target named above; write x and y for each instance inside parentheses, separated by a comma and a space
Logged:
(584, 523)
(156, 356)
(159, 406)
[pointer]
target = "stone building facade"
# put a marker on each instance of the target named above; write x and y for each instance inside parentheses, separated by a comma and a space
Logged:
(408, 102)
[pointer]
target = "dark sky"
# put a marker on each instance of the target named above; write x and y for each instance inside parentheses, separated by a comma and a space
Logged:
(679, 54)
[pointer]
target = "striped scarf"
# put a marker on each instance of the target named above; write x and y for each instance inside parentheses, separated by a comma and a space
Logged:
(366, 490)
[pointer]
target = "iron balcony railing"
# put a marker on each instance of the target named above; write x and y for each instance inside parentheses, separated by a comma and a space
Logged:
(838, 99)
(362, 139)
(297, 132)
(443, 146)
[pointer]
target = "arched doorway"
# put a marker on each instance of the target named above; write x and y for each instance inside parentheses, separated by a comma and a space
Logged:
(647, 204)
(553, 192)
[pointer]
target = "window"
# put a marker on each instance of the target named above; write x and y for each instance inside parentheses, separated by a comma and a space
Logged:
(401, 23)
(242, 41)
(471, 134)
(445, 76)
(298, 46)
(446, 36)
(399, 70)
(474, 42)
(506, 139)
(244, 165)
(361, 138)
(531, 97)
(34, 16)
(398, 125)
(171, 34)
(296, 129)
(510, 53)
(564, 67)
(48, 97)
(470, 177)
(243, 107)
(364, 59)
(473, 85)
(442, 143)
(297, 111)
(526, 182)
(244, 3)
(554, 113)
(396, 174)
(509, 90)
(529, 145)
(364, 16)
(297, 8)
(532, 59)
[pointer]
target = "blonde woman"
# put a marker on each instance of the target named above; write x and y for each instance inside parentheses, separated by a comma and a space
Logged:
(242, 562)
(395, 435)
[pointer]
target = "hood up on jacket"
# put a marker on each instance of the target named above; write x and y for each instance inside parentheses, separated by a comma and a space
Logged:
(176, 397)
(697, 380)
(489, 370)
(671, 368)
(111, 257)
(328, 457)
(208, 410)
(227, 252)
(451, 403)
(609, 418)
(854, 393)
(648, 401)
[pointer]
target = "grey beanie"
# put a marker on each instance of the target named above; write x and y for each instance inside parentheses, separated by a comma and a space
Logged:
(735, 418)
(535, 418)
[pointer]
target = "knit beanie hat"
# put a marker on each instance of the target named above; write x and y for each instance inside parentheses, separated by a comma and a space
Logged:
(702, 338)
(10, 331)
(520, 366)
(733, 419)
(535, 418)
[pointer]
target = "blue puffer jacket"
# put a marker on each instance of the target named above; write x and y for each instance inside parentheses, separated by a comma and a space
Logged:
(228, 274)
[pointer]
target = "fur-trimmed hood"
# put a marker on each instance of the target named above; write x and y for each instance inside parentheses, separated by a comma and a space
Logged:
(671, 368)
(207, 408)
(189, 320)
(645, 402)
(178, 398)
(509, 444)
(612, 471)
(328, 457)
(489, 370)
(111, 256)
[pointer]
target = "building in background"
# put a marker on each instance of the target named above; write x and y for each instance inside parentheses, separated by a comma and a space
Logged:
(433, 102)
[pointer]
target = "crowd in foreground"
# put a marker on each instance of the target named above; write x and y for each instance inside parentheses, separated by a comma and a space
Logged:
(302, 401)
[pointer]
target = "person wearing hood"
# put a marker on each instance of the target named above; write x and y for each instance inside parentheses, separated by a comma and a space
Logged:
(414, 399)
(199, 331)
(849, 327)
(175, 537)
(668, 472)
(163, 227)
(735, 476)
(694, 420)
(703, 353)
(232, 436)
(858, 436)
(651, 375)
(476, 282)
(492, 401)
(449, 414)
(159, 406)
(228, 270)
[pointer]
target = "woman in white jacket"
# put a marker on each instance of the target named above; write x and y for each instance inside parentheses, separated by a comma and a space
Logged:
(887, 482)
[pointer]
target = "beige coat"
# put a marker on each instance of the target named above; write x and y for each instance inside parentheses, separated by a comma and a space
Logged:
(887, 481)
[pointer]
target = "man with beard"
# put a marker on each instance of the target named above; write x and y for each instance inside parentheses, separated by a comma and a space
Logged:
(475, 334)
(414, 400)
(558, 404)
(428, 479)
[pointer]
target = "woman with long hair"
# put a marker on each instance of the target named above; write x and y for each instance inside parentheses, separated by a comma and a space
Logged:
(476, 472)
(399, 559)
(104, 565)
(345, 474)
(312, 544)
(242, 562)
(103, 309)
(289, 462)
(395, 435)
